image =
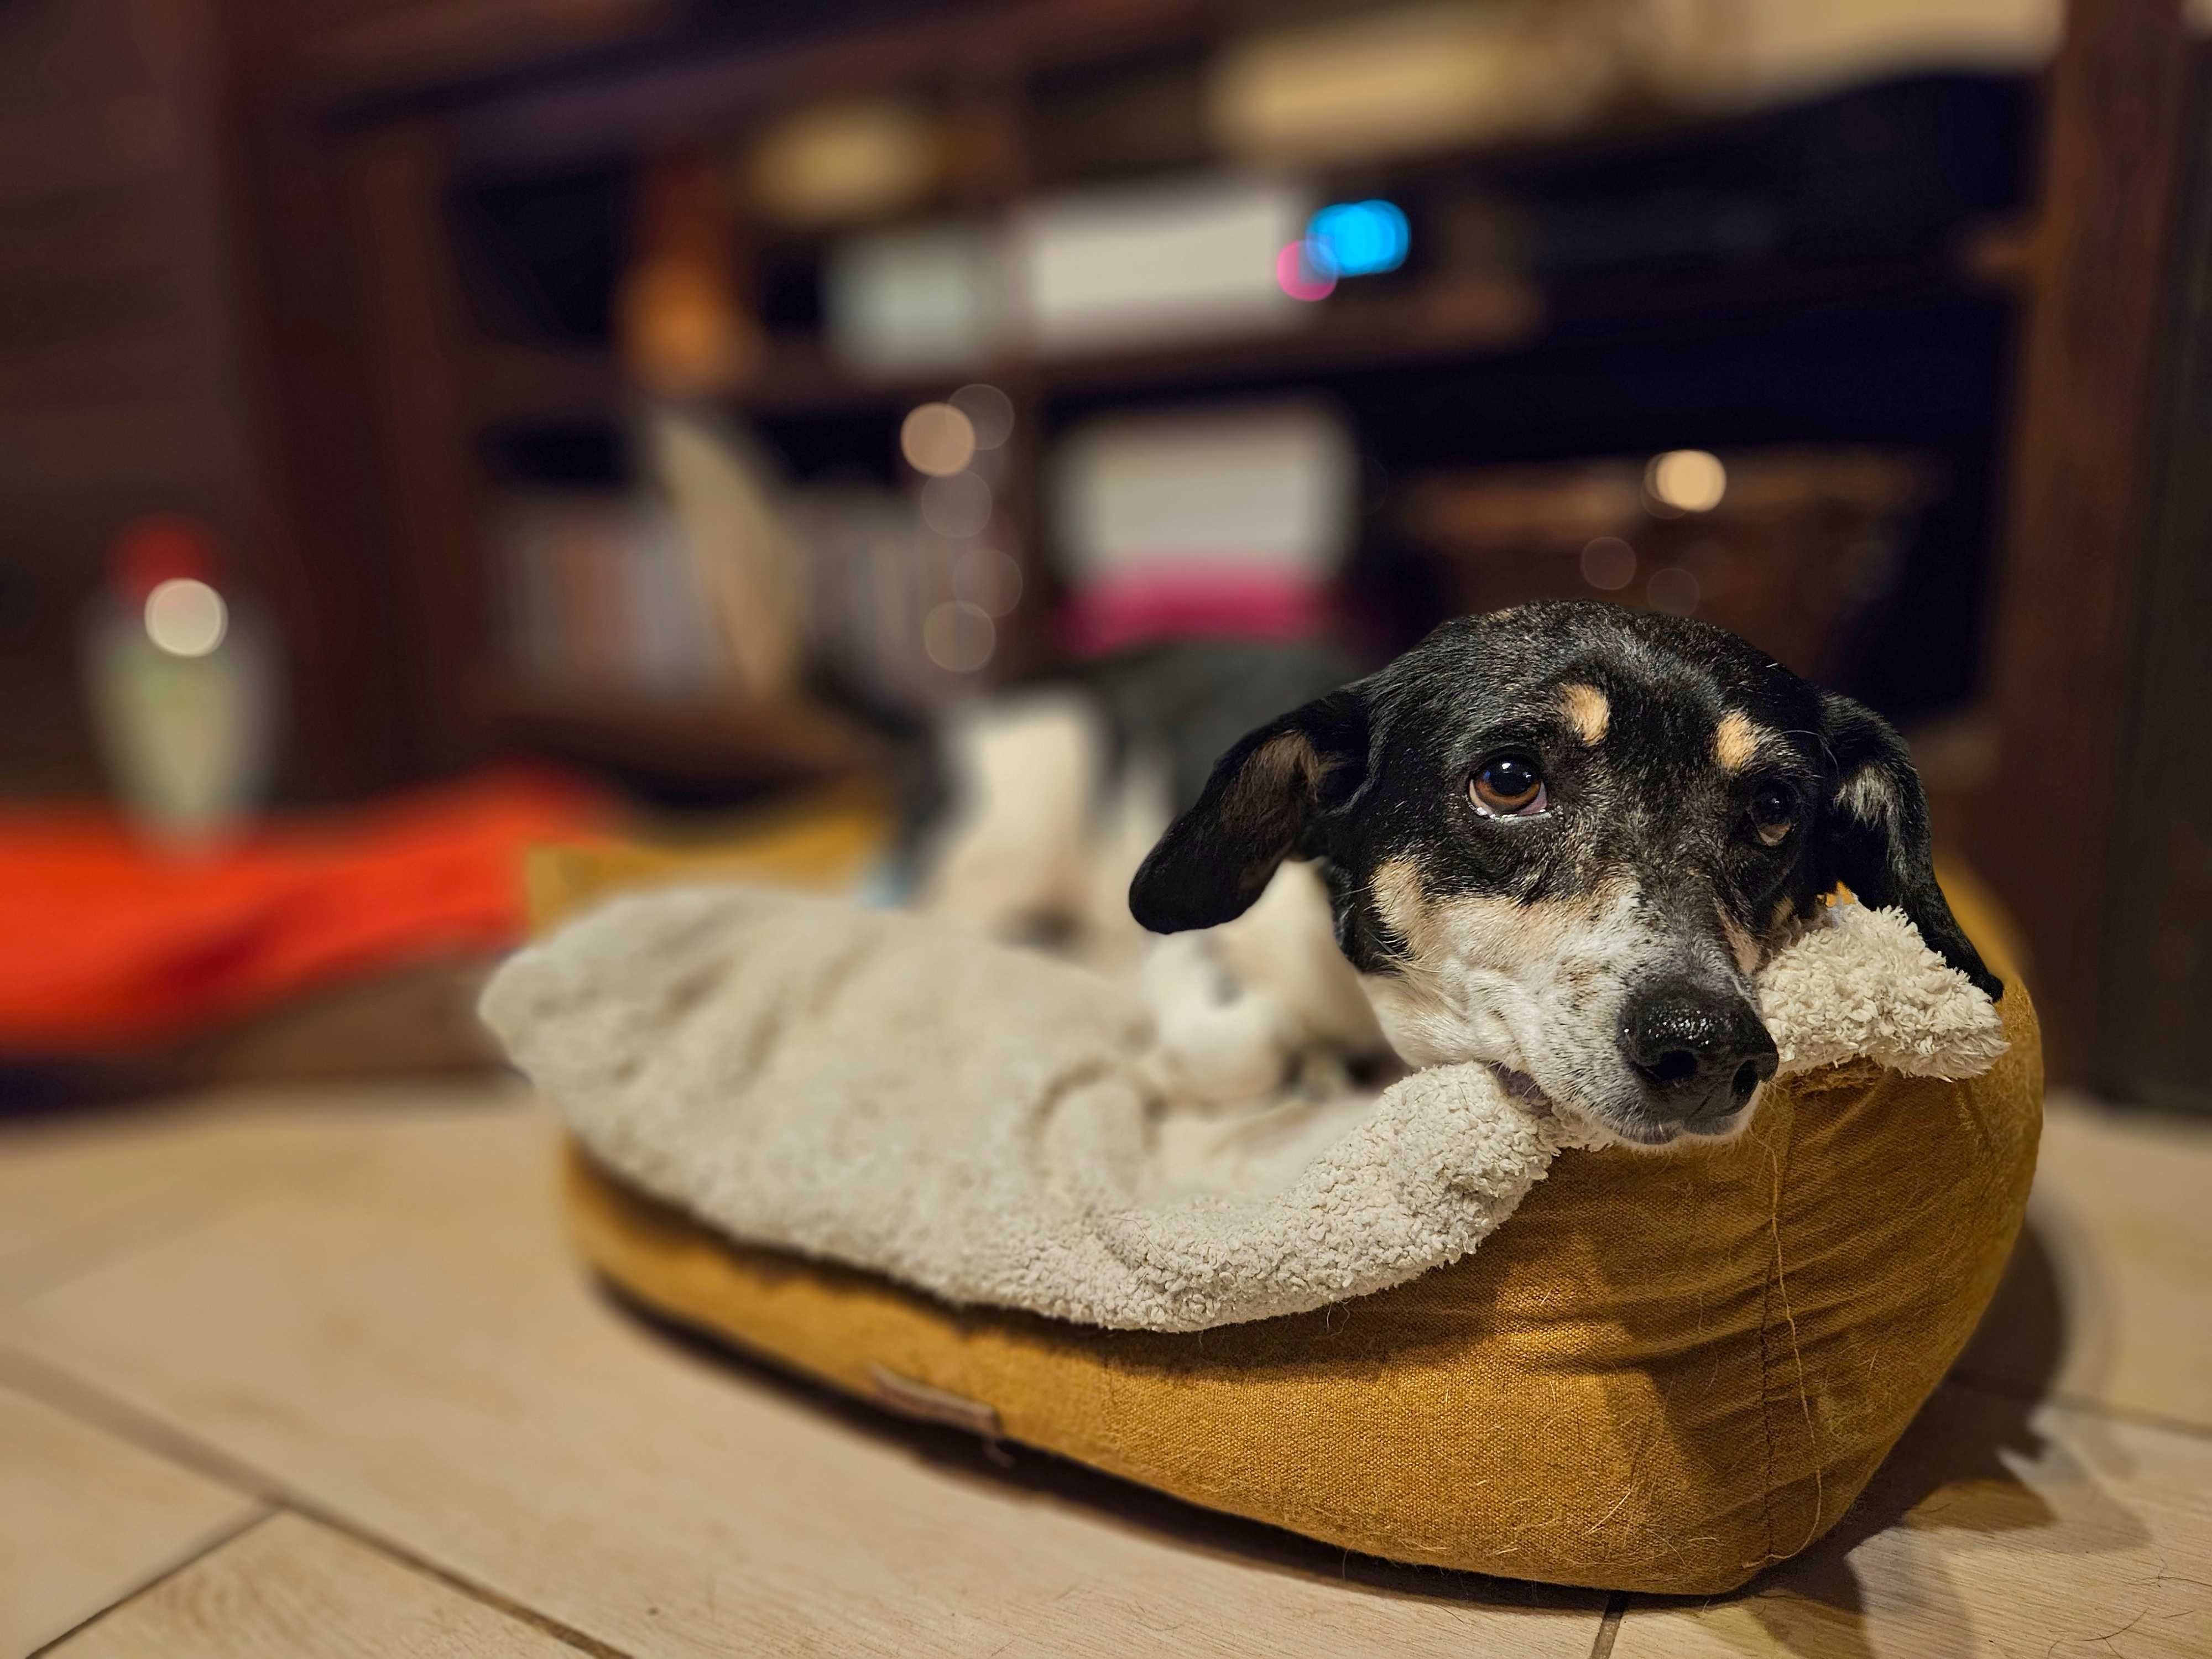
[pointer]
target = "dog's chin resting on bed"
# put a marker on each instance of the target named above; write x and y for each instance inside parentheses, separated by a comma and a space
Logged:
(1559, 840)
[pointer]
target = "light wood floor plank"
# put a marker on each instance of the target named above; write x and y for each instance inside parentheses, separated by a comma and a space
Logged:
(2105, 1303)
(1995, 1529)
(85, 1519)
(78, 1189)
(407, 1344)
(291, 1589)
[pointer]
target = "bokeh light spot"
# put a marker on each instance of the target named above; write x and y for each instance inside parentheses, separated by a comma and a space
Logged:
(1358, 239)
(1608, 563)
(1297, 276)
(937, 439)
(185, 616)
(959, 637)
(1687, 480)
(958, 507)
(989, 411)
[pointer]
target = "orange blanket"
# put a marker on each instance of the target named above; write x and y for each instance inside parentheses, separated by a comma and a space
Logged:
(110, 941)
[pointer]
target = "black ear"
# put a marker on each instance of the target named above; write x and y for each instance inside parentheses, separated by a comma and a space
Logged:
(1260, 806)
(1873, 834)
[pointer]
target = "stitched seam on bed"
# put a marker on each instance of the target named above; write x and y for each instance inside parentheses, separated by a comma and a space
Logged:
(1766, 1329)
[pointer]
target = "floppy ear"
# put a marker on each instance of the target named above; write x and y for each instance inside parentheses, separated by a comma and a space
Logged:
(1873, 837)
(1260, 805)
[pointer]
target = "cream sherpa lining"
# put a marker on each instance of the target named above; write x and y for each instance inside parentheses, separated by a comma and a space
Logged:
(885, 1091)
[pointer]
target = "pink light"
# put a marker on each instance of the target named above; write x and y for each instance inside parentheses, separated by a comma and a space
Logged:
(1297, 276)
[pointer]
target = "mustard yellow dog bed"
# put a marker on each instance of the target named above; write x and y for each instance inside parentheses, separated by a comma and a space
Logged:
(1664, 1375)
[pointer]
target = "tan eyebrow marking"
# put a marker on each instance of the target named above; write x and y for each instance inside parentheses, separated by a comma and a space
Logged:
(1736, 741)
(1587, 711)
(1403, 903)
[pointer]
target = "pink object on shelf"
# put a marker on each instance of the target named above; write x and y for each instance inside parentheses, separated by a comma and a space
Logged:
(1148, 607)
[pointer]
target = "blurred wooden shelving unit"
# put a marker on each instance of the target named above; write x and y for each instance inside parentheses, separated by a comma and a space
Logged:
(642, 88)
(522, 385)
(384, 394)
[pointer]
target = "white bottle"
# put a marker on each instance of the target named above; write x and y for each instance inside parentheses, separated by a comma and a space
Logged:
(181, 679)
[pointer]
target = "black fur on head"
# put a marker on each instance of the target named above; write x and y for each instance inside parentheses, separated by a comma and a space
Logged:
(1692, 798)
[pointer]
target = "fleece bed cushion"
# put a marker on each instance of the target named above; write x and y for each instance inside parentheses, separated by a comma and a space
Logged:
(1664, 1374)
(888, 1090)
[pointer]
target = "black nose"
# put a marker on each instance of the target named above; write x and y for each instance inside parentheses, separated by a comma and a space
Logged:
(1701, 1050)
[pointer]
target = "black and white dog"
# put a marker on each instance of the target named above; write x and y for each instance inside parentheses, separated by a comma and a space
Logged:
(1557, 840)
(1043, 800)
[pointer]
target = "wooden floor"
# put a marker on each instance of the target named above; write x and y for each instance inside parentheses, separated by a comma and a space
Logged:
(314, 1375)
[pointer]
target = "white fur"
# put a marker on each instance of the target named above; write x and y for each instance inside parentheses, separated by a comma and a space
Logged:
(1024, 776)
(1036, 831)
(1241, 1008)
(1536, 990)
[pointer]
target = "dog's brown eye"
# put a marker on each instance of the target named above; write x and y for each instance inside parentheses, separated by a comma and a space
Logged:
(1773, 814)
(1508, 786)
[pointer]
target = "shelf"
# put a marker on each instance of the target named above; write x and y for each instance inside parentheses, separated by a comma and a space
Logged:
(520, 385)
(696, 90)
(1434, 322)
(699, 742)
(524, 385)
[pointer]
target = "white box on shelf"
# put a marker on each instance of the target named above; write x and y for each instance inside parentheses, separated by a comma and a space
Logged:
(1159, 262)
(1269, 485)
(915, 301)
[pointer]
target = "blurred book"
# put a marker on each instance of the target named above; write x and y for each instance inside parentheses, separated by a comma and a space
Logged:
(877, 579)
(723, 500)
(599, 593)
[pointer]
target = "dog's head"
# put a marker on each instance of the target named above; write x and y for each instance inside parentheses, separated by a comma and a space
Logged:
(1560, 840)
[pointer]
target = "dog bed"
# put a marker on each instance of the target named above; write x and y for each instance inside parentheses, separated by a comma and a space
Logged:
(1665, 1372)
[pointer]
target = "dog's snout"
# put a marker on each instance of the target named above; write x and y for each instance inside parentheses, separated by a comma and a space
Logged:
(1701, 1050)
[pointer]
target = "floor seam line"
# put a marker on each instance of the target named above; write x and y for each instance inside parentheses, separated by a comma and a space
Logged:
(566, 1634)
(222, 1539)
(88, 1403)
(1609, 1624)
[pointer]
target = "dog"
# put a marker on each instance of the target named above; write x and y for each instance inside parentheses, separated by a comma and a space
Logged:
(1037, 805)
(1558, 840)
